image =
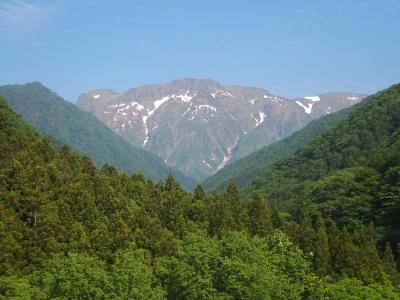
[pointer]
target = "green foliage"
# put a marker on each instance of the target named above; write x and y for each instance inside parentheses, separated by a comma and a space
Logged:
(350, 173)
(321, 257)
(260, 217)
(349, 289)
(132, 277)
(72, 277)
(236, 267)
(71, 231)
(244, 171)
(65, 123)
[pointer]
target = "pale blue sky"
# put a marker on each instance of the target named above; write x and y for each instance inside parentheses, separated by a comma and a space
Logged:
(291, 48)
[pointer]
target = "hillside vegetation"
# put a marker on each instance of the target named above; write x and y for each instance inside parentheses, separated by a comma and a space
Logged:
(71, 231)
(350, 174)
(244, 171)
(63, 122)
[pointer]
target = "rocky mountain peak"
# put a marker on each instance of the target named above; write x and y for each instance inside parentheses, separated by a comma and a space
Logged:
(199, 125)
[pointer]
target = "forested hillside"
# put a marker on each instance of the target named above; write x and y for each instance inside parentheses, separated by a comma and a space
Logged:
(65, 123)
(71, 231)
(350, 174)
(244, 171)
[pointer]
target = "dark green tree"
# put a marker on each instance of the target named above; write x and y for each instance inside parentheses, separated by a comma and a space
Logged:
(389, 264)
(260, 221)
(321, 258)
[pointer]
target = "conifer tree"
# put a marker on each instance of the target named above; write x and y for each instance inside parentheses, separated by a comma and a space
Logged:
(198, 212)
(389, 264)
(277, 220)
(79, 241)
(199, 194)
(370, 263)
(344, 254)
(321, 248)
(306, 233)
(220, 216)
(260, 222)
(237, 208)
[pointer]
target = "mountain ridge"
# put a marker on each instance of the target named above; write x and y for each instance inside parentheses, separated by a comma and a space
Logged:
(199, 125)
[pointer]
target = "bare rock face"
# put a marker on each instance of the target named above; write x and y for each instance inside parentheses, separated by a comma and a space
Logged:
(198, 126)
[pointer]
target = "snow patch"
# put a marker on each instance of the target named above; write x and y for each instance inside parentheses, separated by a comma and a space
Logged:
(227, 94)
(97, 96)
(207, 164)
(228, 156)
(222, 93)
(160, 102)
(123, 108)
(137, 105)
(262, 117)
(204, 110)
(156, 104)
(353, 98)
(185, 97)
(273, 98)
(313, 98)
(207, 107)
(308, 108)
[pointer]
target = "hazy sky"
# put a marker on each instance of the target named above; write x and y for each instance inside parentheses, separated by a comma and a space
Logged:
(291, 48)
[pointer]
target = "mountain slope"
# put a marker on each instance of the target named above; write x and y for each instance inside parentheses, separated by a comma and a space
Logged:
(64, 122)
(69, 230)
(198, 126)
(245, 170)
(313, 108)
(351, 173)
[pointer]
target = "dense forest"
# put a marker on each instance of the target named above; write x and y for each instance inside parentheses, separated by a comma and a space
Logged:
(350, 174)
(321, 224)
(65, 123)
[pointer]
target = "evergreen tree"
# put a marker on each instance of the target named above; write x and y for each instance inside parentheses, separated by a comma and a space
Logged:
(237, 208)
(198, 212)
(321, 248)
(199, 194)
(79, 241)
(220, 216)
(370, 263)
(389, 264)
(306, 234)
(260, 221)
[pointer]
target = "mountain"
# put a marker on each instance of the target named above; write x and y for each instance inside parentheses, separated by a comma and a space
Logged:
(314, 107)
(350, 173)
(66, 123)
(198, 126)
(245, 170)
(71, 231)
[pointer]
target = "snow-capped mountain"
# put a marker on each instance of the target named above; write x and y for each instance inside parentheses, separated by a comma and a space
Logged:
(198, 126)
